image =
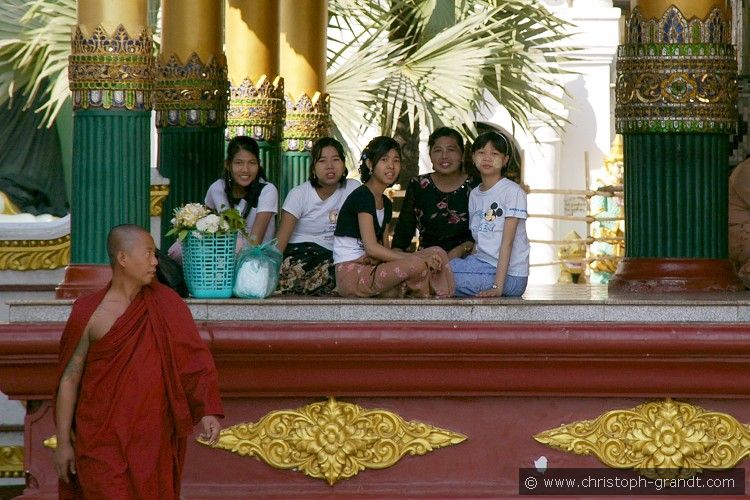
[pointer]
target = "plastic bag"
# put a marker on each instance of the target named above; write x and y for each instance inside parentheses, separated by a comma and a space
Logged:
(256, 274)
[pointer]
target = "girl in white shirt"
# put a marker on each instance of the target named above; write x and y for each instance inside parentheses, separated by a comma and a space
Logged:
(244, 186)
(308, 219)
(499, 265)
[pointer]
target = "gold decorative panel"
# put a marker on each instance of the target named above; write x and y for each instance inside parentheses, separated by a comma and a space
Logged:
(333, 440)
(306, 120)
(191, 94)
(111, 70)
(258, 109)
(11, 461)
(158, 193)
(32, 255)
(678, 437)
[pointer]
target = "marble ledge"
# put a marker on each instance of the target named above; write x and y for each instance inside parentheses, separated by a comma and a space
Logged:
(612, 310)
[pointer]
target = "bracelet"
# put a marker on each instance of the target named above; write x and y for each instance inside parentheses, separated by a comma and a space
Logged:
(494, 286)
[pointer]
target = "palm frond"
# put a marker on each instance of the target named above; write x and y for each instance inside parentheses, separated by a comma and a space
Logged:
(505, 51)
(35, 48)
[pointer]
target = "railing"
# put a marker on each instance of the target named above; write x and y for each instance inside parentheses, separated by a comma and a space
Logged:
(589, 219)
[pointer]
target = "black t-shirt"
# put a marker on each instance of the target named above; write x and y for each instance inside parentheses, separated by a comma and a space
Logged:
(361, 200)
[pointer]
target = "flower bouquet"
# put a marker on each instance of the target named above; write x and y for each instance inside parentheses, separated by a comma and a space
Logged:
(209, 240)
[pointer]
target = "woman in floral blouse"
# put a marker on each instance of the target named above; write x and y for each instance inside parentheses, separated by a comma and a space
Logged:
(437, 203)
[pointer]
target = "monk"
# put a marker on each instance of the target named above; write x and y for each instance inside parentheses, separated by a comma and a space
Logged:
(135, 377)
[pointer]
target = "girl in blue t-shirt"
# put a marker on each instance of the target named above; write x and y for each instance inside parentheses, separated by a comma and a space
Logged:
(499, 264)
(365, 266)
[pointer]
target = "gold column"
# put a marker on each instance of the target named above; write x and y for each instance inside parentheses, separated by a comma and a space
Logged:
(110, 71)
(257, 91)
(190, 87)
(191, 94)
(676, 108)
(109, 14)
(699, 9)
(303, 65)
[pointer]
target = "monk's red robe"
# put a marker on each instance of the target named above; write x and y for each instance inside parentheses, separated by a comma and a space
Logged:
(146, 383)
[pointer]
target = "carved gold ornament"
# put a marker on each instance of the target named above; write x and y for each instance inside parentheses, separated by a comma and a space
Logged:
(331, 440)
(674, 27)
(32, 255)
(677, 75)
(306, 120)
(158, 193)
(679, 438)
(111, 70)
(11, 461)
(257, 111)
(191, 94)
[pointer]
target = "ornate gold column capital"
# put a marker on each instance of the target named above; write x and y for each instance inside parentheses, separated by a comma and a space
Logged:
(306, 120)
(676, 74)
(111, 70)
(258, 109)
(191, 94)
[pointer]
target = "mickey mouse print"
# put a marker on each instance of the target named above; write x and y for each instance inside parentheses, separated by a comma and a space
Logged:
(488, 212)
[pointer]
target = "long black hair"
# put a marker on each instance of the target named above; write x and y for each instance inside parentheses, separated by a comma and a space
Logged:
(252, 192)
(317, 152)
(374, 151)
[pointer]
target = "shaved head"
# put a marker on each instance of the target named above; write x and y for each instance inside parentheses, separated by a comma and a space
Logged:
(121, 238)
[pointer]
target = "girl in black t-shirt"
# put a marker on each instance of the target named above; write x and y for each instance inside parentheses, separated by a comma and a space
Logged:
(364, 266)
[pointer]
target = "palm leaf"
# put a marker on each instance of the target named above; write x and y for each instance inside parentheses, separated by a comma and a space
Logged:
(35, 48)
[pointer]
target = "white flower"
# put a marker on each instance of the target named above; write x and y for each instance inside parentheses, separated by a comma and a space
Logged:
(224, 225)
(189, 215)
(208, 224)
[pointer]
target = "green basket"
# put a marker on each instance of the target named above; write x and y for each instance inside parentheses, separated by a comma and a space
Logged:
(208, 264)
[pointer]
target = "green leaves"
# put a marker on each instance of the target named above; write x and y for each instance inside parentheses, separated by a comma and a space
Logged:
(34, 50)
(440, 61)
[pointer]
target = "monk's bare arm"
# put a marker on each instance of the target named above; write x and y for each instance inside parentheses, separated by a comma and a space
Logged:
(67, 395)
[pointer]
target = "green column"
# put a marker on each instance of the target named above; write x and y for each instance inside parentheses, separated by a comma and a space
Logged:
(111, 177)
(192, 159)
(676, 106)
(111, 130)
(676, 196)
(191, 109)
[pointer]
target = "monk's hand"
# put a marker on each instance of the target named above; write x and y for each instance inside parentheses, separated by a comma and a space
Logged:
(65, 461)
(211, 429)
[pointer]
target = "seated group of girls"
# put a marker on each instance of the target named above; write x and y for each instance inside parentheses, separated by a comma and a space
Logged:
(472, 234)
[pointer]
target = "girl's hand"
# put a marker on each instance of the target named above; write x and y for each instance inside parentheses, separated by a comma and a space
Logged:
(491, 292)
(434, 263)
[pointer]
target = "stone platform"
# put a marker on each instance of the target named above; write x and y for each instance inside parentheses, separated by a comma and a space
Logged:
(489, 374)
(540, 303)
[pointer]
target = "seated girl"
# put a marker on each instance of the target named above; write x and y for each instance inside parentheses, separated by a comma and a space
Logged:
(497, 218)
(308, 219)
(365, 267)
(244, 187)
(437, 203)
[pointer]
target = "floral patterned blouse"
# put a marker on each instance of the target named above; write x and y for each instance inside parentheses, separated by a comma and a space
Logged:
(442, 218)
